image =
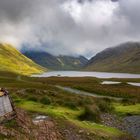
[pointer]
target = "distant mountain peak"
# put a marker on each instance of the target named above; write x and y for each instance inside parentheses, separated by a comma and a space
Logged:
(61, 62)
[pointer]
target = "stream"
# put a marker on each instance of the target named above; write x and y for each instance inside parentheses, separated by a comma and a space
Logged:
(84, 93)
(131, 123)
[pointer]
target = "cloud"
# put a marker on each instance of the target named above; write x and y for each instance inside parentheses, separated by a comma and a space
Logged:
(71, 27)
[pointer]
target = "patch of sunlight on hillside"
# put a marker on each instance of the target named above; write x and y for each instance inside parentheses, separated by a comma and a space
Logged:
(12, 60)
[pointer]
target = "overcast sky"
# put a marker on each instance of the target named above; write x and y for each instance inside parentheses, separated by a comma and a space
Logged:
(70, 27)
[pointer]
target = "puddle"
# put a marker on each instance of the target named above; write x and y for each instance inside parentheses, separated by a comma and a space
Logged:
(110, 82)
(40, 118)
(134, 84)
(115, 82)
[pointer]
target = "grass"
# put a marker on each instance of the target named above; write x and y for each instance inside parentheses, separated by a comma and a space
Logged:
(93, 85)
(99, 129)
(3, 137)
(70, 115)
(125, 110)
(86, 84)
(11, 123)
(13, 61)
(90, 113)
(56, 111)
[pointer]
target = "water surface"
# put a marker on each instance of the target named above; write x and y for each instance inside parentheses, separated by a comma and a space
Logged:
(109, 82)
(134, 84)
(87, 74)
(84, 93)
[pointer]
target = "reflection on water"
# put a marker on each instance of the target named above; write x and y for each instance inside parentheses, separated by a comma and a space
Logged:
(87, 74)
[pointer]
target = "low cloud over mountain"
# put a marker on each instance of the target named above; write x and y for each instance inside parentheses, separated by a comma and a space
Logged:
(69, 27)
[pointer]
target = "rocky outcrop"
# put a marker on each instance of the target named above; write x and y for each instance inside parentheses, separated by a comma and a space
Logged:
(129, 124)
(112, 121)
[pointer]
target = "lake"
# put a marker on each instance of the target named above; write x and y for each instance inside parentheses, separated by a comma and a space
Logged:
(87, 74)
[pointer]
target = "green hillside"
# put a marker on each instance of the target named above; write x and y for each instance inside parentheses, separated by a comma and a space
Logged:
(12, 60)
(123, 58)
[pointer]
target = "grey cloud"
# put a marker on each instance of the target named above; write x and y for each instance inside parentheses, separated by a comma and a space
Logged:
(14, 10)
(70, 27)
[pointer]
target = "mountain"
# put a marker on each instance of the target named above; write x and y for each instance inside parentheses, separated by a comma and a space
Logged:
(122, 58)
(56, 62)
(12, 60)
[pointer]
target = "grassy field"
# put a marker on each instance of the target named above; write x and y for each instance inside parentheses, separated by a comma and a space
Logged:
(39, 95)
(70, 115)
(93, 85)
(125, 110)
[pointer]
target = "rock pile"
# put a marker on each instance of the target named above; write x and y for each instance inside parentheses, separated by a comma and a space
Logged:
(133, 125)
(130, 124)
(113, 121)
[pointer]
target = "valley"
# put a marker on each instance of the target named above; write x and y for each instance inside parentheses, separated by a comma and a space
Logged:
(74, 116)
(69, 70)
(74, 104)
(122, 58)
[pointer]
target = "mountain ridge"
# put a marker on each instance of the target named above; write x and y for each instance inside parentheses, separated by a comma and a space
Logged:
(61, 62)
(122, 58)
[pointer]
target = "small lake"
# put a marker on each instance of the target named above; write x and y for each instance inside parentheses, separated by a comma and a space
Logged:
(134, 84)
(87, 74)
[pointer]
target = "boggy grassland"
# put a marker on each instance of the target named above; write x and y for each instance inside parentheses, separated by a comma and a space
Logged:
(80, 116)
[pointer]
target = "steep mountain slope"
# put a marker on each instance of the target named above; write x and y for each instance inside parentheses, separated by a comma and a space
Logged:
(69, 62)
(123, 58)
(12, 60)
(56, 62)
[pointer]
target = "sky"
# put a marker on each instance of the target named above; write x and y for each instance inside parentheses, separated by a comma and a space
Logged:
(69, 27)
